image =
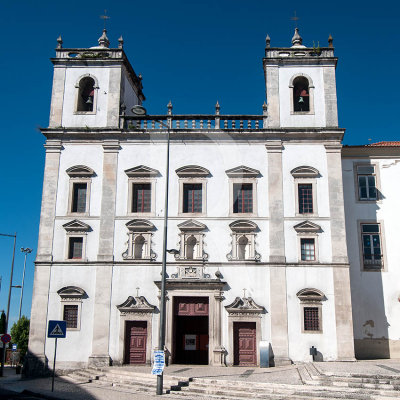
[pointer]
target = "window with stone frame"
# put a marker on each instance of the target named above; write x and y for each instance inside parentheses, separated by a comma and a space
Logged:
(307, 233)
(141, 190)
(79, 190)
(243, 241)
(311, 309)
(191, 241)
(139, 243)
(301, 94)
(192, 190)
(366, 182)
(243, 191)
(305, 181)
(76, 234)
(70, 315)
(372, 254)
(71, 305)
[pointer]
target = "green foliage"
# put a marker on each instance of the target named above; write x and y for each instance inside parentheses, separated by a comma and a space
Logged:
(20, 334)
(3, 322)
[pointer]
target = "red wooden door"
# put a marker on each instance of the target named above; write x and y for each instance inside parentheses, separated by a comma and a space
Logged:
(135, 342)
(245, 343)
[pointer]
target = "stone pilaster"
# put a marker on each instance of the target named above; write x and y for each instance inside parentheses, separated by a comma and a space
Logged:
(108, 200)
(278, 301)
(102, 306)
(331, 113)
(341, 274)
(219, 351)
(272, 82)
(49, 197)
(57, 97)
(113, 97)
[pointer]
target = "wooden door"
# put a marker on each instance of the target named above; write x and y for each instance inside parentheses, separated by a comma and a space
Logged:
(135, 342)
(245, 349)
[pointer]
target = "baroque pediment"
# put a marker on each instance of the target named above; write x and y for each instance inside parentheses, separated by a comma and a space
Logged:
(244, 305)
(140, 225)
(192, 225)
(192, 171)
(137, 304)
(243, 225)
(76, 226)
(310, 294)
(242, 172)
(307, 226)
(142, 171)
(304, 172)
(80, 171)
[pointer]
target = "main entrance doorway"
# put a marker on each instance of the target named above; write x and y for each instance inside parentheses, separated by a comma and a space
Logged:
(190, 338)
(244, 343)
(135, 342)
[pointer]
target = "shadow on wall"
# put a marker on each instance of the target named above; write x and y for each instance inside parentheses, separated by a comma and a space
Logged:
(365, 236)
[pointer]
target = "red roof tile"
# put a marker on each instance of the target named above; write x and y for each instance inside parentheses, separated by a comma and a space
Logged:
(384, 144)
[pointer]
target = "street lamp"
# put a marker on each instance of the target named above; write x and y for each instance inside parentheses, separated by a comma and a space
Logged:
(26, 252)
(3, 358)
(141, 111)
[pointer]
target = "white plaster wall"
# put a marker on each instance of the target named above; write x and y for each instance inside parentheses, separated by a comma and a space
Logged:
(217, 159)
(376, 308)
(77, 346)
(72, 77)
(300, 343)
(312, 155)
(318, 119)
(91, 156)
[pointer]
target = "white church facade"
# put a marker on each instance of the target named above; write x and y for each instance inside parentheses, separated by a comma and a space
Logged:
(277, 233)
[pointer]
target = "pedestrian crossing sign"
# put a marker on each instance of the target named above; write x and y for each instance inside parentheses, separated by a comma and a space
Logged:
(57, 329)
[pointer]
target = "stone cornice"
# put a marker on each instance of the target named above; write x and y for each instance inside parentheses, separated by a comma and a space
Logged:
(190, 284)
(370, 151)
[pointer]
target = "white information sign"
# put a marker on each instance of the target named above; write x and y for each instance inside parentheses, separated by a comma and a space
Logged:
(159, 362)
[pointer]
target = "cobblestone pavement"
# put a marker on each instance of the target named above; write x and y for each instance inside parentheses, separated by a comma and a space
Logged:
(67, 390)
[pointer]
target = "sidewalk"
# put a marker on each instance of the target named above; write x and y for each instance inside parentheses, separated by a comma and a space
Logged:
(68, 390)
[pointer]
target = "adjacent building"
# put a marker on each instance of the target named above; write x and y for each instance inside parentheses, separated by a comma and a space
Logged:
(276, 232)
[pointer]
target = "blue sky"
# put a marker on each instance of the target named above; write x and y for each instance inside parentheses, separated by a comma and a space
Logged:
(192, 53)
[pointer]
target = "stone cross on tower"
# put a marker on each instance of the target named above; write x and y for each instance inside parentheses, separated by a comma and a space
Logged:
(105, 17)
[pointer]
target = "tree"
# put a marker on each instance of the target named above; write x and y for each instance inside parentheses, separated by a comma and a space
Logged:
(20, 334)
(2, 322)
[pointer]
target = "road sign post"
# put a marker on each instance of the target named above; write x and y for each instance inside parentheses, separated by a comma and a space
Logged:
(56, 330)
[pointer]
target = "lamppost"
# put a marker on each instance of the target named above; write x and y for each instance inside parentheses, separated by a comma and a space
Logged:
(140, 110)
(26, 251)
(3, 359)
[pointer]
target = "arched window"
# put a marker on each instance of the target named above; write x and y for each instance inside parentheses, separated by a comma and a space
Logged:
(301, 94)
(86, 94)
(138, 247)
(242, 244)
(190, 247)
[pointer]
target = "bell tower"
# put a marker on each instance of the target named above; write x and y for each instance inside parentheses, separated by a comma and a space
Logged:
(92, 86)
(300, 85)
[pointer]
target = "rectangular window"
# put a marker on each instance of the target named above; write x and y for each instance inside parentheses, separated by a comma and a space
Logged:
(242, 197)
(311, 319)
(79, 191)
(141, 197)
(366, 182)
(75, 248)
(192, 198)
(71, 316)
(371, 243)
(305, 198)
(307, 249)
